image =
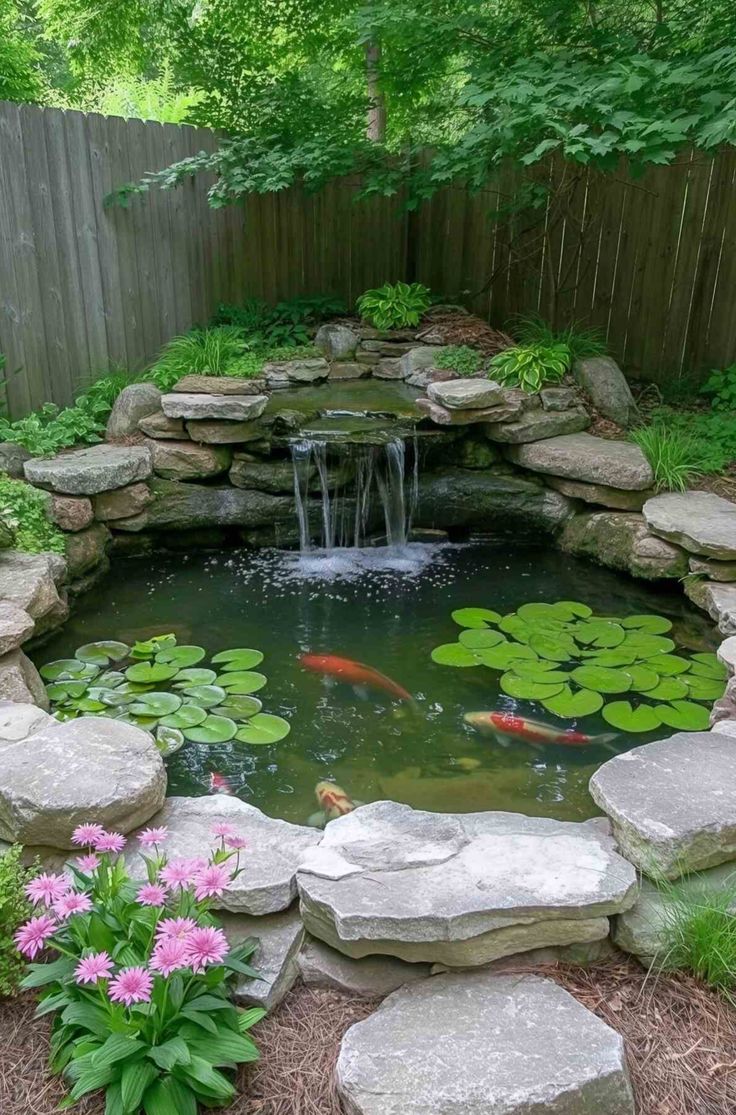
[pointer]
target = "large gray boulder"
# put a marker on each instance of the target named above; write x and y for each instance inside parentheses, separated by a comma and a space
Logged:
(184, 460)
(180, 505)
(15, 626)
(30, 581)
(336, 342)
(596, 460)
(372, 977)
(419, 359)
(196, 384)
(481, 1044)
(134, 402)
(21, 681)
(279, 939)
(235, 408)
(18, 721)
(70, 512)
(672, 803)
(214, 431)
(618, 499)
(701, 522)
(122, 502)
(284, 373)
(459, 889)
(479, 499)
(275, 849)
(718, 600)
(84, 472)
(12, 459)
(86, 549)
(462, 394)
(467, 416)
(159, 426)
(537, 424)
(621, 540)
(90, 769)
(606, 384)
(713, 569)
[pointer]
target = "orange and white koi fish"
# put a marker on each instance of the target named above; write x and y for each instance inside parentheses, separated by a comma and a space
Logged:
(353, 673)
(219, 784)
(507, 725)
(332, 800)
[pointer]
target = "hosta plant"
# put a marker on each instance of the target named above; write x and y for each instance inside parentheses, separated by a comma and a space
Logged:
(530, 367)
(395, 305)
(136, 974)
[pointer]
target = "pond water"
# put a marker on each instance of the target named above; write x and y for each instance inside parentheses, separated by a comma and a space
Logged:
(388, 612)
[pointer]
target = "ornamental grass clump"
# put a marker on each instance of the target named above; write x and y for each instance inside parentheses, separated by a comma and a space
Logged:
(136, 974)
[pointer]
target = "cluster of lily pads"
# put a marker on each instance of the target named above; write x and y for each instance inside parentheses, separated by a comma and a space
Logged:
(165, 689)
(573, 662)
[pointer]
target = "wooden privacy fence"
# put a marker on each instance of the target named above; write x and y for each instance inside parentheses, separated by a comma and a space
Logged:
(651, 262)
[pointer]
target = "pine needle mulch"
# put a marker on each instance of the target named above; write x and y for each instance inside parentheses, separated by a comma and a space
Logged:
(680, 1038)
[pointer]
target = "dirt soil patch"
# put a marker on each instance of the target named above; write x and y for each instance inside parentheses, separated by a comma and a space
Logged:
(680, 1038)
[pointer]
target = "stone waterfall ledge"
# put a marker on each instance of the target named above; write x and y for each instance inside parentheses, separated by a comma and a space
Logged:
(460, 890)
(702, 523)
(478, 1043)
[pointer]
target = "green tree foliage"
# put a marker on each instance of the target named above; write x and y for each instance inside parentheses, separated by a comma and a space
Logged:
(20, 72)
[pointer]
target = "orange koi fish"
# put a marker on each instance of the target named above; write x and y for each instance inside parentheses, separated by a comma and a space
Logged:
(219, 784)
(332, 800)
(353, 673)
(506, 725)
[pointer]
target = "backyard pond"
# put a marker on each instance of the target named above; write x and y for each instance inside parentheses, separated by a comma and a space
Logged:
(390, 611)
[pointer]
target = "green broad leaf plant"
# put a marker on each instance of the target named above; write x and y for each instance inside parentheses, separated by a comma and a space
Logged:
(395, 305)
(168, 690)
(530, 366)
(574, 664)
(136, 973)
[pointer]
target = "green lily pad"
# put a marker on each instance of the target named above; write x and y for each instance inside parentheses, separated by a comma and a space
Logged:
(199, 675)
(621, 715)
(708, 666)
(453, 654)
(611, 659)
(571, 609)
(643, 678)
(110, 678)
(536, 611)
(653, 625)
(206, 696)
(601, 679)
(684, 715)
(169, 740)
(238, 707)
(68, 669)
(133, 688)
(537, 667)
(512, 624)
(703, 688)
(526, 689)
(570, 706)
(599, 633)
(480, 638)
(101, 654)
(669, 689)
(646, 646)
(60, 691)
(146, 648)
(88, 704)
(213, 729)
(264, 728)
(181, 657)
(669, 665)
(156, 704)
(504, 656)
(475, 617)
(244, 681)
(186, 716)
(150, 673)
(147, 722)
(242, 658)
(111, 698)
(557, 648)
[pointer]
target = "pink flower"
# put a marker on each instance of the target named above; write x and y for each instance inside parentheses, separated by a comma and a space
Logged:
(169, 955)
(222, 828)
(236, 841)
(87, 834)
(175, 927)
(88, 863)
(32, 936)
(47, 888)
(206, 946)
(132, 985)
(92, 968)
(152, 894)
(178, 873)
(152, 836)
(72, 904)
(211, 881)
(110, 842)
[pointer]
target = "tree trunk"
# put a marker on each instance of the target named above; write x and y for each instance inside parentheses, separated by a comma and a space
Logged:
(376, 122)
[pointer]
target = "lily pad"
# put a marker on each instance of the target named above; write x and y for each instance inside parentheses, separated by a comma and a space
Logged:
(685, 715)
(669, 665)
(533, 613)
(453, 654)
(526, 689)
(537, 667)
(169, 740)
(60, 691)
(622, 715)
(653, 625)
(512, 624)
(646, 646)
(238, 707)
(213, 729)
(102, 653)
(612, 659)
(504, 656)
(601, 679)
(264, 728)
(571, 609)
(150, 673)
(181, 657)
(703, 688)
(669, 689)
(88, 704)
(111, 698)
(68, 669)
(557, 648)
(475, 617)
(110, 678)
(186, 716)
(599, 633)
(206, 696)
(570, 706)
(708, 666)
(199, 675)
(156, 704)
(480, 638)
(146, 648)
(643, 678)
(246, 681)
(242, 658)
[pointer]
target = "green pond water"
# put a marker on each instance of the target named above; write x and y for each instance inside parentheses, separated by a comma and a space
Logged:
(389, 612)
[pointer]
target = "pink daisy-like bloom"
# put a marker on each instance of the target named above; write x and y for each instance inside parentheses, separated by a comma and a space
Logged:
(179, 928)
(87, 834)
(212, 881)
(32, 936)
(110, 842)
(222, 828)
(93, 968)
(132, 985)
(236, 841)
(88, 863)
(47, 888)
(178, 873)
(152, 836)
(169, 955)
(206, 946)
(151, 894)
(72, 903)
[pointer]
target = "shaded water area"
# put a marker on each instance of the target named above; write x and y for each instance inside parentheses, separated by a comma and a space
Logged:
(387, 608)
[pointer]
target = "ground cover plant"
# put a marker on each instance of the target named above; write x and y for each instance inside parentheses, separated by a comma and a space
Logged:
(675, 457)
(461, 359)
(15, 908)
(166, 689)
(575, 663)
(287, 324)
(50, 428)
(710, 434)
(138, 977)
(530, 366)
(24, 517)
(699, 931)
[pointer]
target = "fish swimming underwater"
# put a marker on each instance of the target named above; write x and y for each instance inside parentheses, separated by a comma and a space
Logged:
(353, 673)
(506, 726)
(333, 803)
(219, 784)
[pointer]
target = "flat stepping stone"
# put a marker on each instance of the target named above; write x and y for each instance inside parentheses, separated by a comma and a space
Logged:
(84, 472)
(595, 460)
(672, 803)
(236, 408)
(466, 393)
(483, 1044)
(700, 522)
(275, 849)
(459, 889)
(280, 938)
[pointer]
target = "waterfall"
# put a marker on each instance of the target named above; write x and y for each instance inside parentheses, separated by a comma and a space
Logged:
(346, 492)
